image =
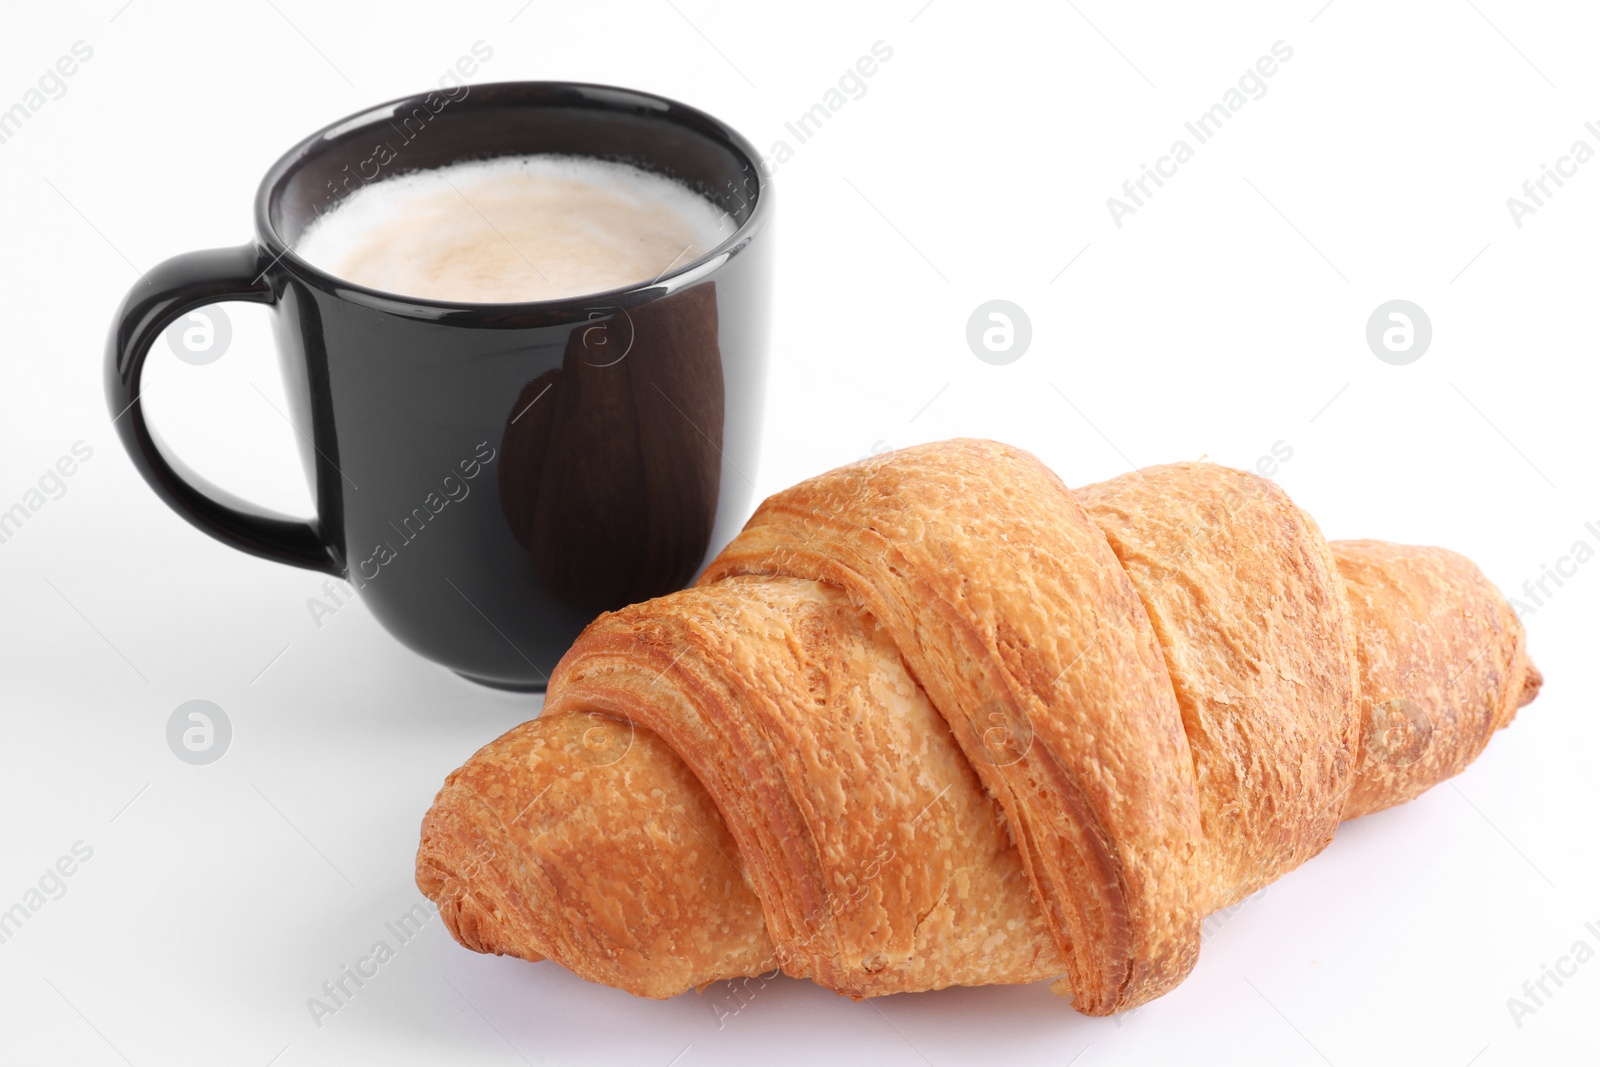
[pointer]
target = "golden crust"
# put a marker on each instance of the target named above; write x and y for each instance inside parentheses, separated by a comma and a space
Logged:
(933, 719)
(587, 840)
(882, 864)
(1014, 615)
(1249, 608)
(1445, 664)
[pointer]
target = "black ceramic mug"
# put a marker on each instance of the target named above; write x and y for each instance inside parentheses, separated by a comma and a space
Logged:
(491, 476)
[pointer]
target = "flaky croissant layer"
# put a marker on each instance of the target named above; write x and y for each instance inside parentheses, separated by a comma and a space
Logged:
(933, 719)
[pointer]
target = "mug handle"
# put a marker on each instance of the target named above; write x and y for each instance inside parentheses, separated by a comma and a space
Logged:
(164, 295)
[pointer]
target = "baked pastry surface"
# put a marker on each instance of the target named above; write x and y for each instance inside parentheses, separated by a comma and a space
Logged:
(933, 719)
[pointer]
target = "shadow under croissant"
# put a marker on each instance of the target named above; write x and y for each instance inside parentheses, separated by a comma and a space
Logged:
(610, 481)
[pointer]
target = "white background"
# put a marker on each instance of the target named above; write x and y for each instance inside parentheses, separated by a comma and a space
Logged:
(1226, 315)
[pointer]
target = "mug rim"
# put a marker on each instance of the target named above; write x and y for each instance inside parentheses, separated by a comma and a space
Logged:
(556, 311)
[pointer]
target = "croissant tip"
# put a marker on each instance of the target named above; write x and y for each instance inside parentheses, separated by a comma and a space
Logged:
(1532, 681)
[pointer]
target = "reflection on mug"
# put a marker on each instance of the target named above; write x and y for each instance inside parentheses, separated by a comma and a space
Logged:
(611, 465)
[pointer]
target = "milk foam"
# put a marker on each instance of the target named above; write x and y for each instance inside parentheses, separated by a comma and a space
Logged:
(513, 229)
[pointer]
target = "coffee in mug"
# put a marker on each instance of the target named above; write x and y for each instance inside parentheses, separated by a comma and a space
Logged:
(516, 228)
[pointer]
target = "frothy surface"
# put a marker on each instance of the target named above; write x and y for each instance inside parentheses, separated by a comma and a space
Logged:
(517, 228)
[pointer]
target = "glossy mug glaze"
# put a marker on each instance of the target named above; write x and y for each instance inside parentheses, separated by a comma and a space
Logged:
(491, 476)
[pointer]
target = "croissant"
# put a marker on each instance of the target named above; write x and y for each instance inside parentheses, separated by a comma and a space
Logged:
(933, 719)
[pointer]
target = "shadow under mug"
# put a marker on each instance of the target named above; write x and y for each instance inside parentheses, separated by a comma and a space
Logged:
(490, 476)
